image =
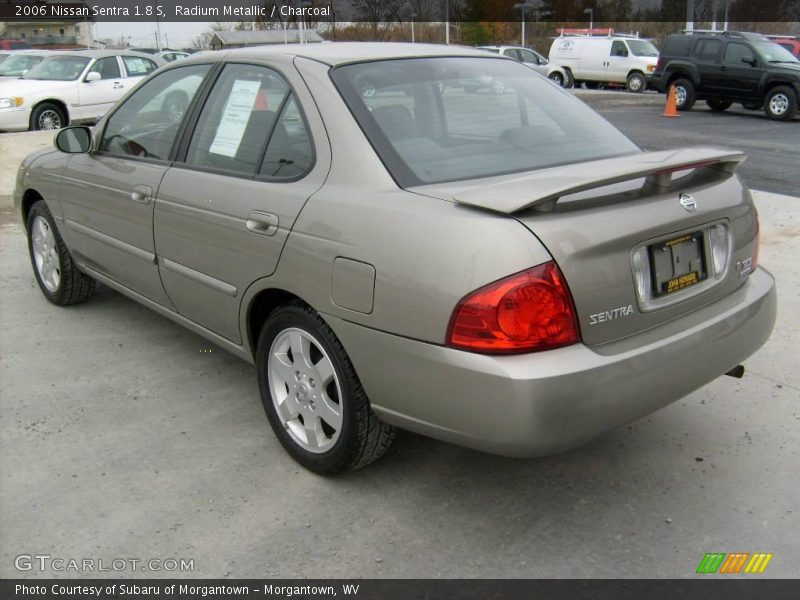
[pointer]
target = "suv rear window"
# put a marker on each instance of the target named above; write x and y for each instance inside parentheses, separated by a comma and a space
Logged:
(447, 119)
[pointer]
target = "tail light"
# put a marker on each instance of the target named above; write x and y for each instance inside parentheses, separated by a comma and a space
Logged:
(526, 312)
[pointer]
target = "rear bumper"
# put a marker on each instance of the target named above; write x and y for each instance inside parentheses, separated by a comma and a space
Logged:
(538, 404)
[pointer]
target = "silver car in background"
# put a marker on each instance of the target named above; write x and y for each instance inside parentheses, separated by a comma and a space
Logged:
(505, 271)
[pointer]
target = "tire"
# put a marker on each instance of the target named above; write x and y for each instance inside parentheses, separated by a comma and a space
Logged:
(48, 116)
(752, 105)
(344, 435)
(368, 89)
(498, 87)
(684, 94)
(570, 79)
(780, 103)
(59, 279)
(718, 105)
(556, 78)
(636, 83)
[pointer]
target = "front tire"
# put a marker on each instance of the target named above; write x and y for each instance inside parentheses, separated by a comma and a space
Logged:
(556, 78)
(59, 279)
(780, 103)
(312, 396)
(48, 116)
(636, 83)
(684, 94)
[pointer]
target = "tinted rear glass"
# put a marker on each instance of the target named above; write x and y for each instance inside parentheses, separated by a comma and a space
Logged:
(677, 45)
(446, 119)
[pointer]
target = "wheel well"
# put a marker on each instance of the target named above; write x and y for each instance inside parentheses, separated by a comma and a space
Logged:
(775, 84)
(260, 308)
(28, 199)
(58, 103)
(632, 71)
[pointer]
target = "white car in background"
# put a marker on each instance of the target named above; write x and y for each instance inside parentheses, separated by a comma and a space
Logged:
(535, 61)
(71, 87)
(20, 62)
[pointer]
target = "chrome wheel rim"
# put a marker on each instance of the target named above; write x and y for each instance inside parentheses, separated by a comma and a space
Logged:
(499, 87)
(45, 254)
(635, 83)
(779, 104)
(49, 119)
(305, 390)
(368, 90)
(556, 78)
(680, 94)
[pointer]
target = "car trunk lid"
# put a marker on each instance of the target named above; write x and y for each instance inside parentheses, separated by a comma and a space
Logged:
(643, 218)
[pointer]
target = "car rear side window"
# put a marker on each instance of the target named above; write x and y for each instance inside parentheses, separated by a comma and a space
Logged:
(238, 118)
(451, 118)
(708, 50)
(107, 68)
(678, 45)
(290, 152)
(137, 66)
(147, 123)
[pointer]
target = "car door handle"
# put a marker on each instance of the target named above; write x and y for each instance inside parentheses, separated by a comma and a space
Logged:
(142, 194)
(262, 223)
(118, 85)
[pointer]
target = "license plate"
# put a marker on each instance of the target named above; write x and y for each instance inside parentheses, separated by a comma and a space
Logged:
(678, 263)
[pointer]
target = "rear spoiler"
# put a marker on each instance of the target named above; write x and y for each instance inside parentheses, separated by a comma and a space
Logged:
(541, 190)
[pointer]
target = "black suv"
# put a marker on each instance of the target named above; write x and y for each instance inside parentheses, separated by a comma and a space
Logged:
(726, 67)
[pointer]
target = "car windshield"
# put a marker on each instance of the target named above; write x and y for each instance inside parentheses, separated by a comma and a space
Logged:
(58, 68)
(17, 65)
(447, 119)
(642, 48)
(774, 53)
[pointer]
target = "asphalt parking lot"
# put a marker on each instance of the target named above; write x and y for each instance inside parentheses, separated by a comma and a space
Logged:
(122, 435)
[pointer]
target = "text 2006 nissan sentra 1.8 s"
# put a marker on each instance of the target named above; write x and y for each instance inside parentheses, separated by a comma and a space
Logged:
(505, 271)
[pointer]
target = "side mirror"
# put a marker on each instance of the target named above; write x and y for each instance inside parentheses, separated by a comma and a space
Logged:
(749, 60)
(93, 76)
(74, 140)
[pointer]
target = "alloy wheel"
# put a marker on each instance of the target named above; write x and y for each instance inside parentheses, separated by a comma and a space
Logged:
(305, 390)
(45, 254)
(49, 119)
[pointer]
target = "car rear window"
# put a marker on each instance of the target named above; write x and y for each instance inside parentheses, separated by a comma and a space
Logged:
(433, 120)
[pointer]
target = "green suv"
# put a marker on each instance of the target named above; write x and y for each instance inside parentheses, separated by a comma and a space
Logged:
(726, 67)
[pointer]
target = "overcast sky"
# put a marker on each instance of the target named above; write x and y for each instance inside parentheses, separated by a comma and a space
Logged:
(143, 34)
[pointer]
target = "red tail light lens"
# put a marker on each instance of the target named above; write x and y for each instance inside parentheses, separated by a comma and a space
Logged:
(526, 312)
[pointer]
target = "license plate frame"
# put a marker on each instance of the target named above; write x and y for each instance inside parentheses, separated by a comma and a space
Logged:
(677, 263)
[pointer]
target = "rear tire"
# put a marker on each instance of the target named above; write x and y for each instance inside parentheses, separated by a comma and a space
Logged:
(59, 279)
(556, 78)
(636, 83)
(780, 103)
(718, 105)
(48, 116)
(684, 94)
(312, 396)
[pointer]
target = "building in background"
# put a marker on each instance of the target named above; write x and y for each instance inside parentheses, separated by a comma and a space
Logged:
(63, 33)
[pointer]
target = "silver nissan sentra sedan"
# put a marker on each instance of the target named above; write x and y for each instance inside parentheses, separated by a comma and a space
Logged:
(505, 271)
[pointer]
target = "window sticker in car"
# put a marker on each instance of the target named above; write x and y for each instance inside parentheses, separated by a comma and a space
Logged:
(235, 117)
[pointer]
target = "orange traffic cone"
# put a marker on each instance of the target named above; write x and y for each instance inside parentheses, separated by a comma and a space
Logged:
(670, 108)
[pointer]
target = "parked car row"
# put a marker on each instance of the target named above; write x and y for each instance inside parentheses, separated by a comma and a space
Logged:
(46, 89)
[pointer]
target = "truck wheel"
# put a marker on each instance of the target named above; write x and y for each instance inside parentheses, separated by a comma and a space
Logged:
(718, 105)
(312, 396)
(780, 103)
(636, 83)
(47, 116)
(59, 279)
(684, 94)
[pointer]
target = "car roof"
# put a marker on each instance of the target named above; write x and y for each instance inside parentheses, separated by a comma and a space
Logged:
(103, 53)
(338, 53)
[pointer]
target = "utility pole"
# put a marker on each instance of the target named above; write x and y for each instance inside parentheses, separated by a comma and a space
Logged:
(447, 22)
(158, 36)
(690, 15)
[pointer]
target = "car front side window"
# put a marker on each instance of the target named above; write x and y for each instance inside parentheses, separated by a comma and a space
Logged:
(107, 68)
(146, 125)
